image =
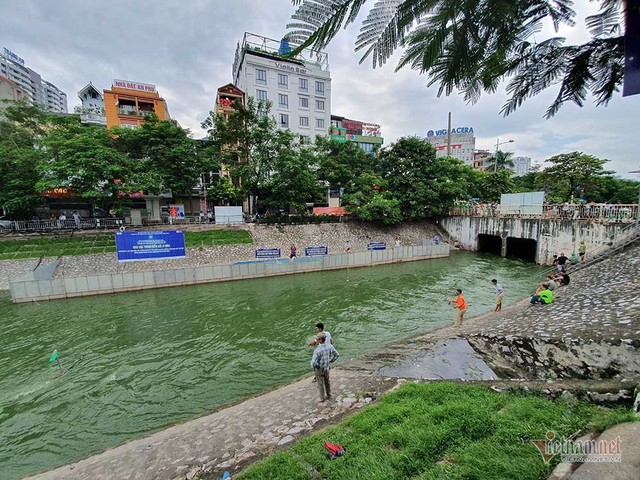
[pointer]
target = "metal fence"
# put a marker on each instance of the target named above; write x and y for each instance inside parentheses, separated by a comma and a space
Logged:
(54, 225)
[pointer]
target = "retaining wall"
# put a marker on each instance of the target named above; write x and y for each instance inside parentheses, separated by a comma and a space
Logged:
(31, 288)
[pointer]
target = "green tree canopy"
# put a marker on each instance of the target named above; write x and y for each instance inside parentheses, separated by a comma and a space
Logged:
(247, 142)
(165, 149)
(22, 128)
(472, 46)
(571, 174)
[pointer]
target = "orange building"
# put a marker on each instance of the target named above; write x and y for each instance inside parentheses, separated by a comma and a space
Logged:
(127, 103)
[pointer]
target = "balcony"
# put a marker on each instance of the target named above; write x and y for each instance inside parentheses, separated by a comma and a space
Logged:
(128, 111)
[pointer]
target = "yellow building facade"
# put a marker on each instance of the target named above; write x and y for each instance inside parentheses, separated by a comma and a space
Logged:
(127, 104)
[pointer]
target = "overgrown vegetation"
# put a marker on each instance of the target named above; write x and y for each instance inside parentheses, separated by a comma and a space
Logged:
(89, 244)
(439, 431)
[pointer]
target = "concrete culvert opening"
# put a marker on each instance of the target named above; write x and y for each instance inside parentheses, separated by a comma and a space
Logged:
(490, 244)
(522, 248)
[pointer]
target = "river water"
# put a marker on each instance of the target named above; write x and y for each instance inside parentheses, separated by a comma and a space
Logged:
(141, 361)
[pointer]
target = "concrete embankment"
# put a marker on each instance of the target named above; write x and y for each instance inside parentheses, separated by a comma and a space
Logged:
(333, 235)
(601, 306)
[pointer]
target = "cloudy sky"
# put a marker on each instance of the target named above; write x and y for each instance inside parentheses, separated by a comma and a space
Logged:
(187, 47)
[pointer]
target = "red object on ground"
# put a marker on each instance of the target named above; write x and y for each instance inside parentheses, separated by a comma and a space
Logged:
(334, 450)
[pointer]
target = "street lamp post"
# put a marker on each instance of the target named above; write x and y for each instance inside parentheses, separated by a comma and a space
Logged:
(638, 207)
(495, 158)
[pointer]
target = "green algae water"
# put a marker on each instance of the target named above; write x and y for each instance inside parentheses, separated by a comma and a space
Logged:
(141, 361)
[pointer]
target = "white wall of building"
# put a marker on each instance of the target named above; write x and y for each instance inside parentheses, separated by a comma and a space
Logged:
(463, 145)
(308, 111)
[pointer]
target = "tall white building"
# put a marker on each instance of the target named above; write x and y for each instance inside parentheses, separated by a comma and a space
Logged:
(463, 143)
(37, 90)
(299, 88)
(521, 165)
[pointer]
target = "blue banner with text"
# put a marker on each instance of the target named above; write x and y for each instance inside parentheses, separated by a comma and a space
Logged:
(316, 251)
(376, 246)
(268, 253)
(160, 245)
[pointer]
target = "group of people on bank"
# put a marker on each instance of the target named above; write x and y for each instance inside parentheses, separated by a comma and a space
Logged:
(558, 278)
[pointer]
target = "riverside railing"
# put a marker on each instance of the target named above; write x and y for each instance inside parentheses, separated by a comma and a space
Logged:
(598, 212)
(53, 225)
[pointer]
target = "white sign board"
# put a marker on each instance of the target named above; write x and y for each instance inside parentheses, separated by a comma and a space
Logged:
(141, 87)
(228, 215)
(527, 203)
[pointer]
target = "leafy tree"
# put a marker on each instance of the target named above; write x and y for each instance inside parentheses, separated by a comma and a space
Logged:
(85, 158)
(246, 143)
(500, 161)
(225, 192)
(371, 200)
(423, 184)
(471, 46)
(494, 184)
(339, 163)
(292, 181)
(166, 153)
(573, 173)
(22, 127)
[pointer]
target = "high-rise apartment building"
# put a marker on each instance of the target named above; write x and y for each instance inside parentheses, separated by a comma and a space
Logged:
(299, 88)
(521, 165)
(463, 143)
(35, 89)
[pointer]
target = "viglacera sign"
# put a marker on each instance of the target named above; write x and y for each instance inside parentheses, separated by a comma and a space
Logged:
(437, 133)
(142, 87)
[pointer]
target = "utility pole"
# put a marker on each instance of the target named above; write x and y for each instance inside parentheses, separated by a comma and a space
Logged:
(449, 136)
(495, 157)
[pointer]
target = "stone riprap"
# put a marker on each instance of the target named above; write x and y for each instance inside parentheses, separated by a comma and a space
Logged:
(333, 235)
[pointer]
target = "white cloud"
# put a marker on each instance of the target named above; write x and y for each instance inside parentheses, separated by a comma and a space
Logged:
(187, 50)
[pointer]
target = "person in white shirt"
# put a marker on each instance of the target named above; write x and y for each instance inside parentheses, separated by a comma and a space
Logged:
(499, 294)
(320, 329)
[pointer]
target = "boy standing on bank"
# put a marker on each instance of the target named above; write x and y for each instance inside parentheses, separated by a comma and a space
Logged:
(460, 306)
(499, 294)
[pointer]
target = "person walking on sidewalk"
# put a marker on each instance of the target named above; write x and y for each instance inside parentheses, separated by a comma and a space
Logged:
(323, 355)
(499, 294)
(460, 306)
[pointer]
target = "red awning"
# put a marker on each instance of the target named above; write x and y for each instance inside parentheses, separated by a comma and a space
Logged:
(338, 211)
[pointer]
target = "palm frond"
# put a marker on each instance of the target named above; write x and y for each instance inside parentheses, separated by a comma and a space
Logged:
(607, 21)
(318, 21)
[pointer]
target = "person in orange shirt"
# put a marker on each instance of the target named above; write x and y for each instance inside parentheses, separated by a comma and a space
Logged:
(460, 306)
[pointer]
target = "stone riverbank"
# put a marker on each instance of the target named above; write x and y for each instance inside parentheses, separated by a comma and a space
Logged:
(333, 235)
(600, 307)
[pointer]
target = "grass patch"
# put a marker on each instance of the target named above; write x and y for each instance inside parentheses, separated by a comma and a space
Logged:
(88, 244)
(439, 431)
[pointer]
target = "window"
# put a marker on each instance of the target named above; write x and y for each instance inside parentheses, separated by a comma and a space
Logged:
(284, 120)
(261, 114)
(261, 95)
(319, 122)
(304, 84)
(261, 76)
(283, 100)
(319, 88)
(304, 140)
(283, 80)
(320, 105)
(304, 121)
(304, 102)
